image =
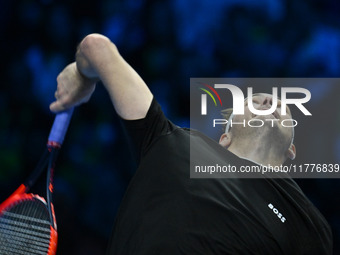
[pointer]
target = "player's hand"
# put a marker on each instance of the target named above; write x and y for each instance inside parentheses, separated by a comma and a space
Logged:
(72, 89)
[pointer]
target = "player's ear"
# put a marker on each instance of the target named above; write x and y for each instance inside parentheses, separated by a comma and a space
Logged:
(291, 152)
(225, 140)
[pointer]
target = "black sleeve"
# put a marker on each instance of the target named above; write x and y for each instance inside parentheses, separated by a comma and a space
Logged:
(142, 132)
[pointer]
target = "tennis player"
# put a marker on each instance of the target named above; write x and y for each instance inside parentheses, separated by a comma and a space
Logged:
(164, 211)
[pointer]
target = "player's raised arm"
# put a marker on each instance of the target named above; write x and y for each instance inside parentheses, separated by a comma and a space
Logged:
(97, 58)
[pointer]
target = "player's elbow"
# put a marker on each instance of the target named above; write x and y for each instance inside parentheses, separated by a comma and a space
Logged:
(93, 43)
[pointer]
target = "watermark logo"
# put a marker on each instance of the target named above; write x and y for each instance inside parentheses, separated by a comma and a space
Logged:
(238, 99)
(204, 98)
(296, 97)
(260, 115)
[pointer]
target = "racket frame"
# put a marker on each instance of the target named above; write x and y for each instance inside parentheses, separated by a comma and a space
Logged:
(55, 140)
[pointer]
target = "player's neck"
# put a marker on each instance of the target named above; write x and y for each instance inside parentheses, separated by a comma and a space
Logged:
(258, 149)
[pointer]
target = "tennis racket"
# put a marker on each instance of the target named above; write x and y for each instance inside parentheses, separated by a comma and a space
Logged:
(27, 221)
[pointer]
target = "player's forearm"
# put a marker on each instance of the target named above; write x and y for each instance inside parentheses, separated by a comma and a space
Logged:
(89, 55)
(98, 58)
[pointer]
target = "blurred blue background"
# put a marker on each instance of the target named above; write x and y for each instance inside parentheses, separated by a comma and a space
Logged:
(167, 42)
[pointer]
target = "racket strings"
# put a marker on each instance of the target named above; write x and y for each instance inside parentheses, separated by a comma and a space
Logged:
(25, 229)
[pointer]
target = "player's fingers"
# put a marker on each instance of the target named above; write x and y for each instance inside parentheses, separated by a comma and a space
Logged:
(59, 105)
(59, 94)
(56, 106)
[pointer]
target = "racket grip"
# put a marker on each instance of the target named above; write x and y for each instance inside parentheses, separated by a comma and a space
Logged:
(59, 128)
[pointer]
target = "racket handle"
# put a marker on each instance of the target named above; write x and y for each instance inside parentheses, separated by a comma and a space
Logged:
(59, 128)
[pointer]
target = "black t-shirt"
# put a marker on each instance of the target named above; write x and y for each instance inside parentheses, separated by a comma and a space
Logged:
(164, 211)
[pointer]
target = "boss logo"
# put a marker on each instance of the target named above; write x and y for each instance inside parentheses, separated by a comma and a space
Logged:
(276, 211)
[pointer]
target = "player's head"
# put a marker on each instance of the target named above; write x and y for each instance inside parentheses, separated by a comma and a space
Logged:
(272, 133)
